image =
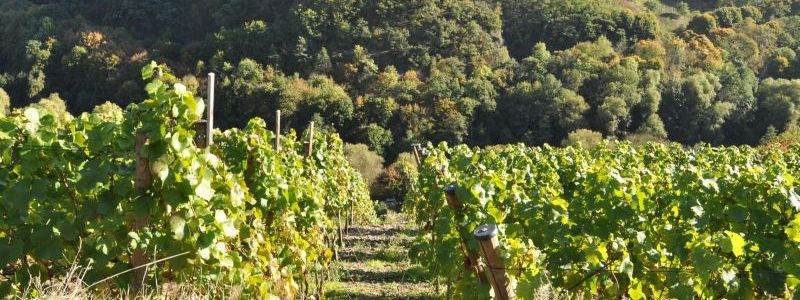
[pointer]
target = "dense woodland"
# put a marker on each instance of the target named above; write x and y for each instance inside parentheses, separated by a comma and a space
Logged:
(389, 73)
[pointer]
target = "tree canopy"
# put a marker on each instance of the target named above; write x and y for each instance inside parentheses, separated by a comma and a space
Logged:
(388, 74)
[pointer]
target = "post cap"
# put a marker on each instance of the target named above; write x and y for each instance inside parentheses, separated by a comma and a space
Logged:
(450, 188)
(485, 231)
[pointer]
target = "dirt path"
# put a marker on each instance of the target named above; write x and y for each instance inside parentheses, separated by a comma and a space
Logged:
(375, 264)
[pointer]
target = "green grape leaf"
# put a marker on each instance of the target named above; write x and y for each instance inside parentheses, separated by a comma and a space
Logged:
(177, 224)
(635, 291)
(204, 190)
(705, 262)
(148, 70)
(154, 86)
(733, 242)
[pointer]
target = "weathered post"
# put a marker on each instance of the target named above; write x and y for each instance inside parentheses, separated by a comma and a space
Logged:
(490, 245)
(142, 182)
(471, 261)
(278, 130)
(417, 158)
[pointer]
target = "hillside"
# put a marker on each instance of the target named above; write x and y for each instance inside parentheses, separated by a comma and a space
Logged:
(391, 73)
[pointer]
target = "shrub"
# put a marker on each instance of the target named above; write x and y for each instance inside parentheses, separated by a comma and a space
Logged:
(583, 137)
(703, 23)
(367, 162)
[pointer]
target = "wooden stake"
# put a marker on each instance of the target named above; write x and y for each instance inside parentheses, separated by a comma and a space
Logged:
(487, 239)
(210, 112)
(142, 182)
(415, 147)
(471, 261)
(278, 130)
(310, 145)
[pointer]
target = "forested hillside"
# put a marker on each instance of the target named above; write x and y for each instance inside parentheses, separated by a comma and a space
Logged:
(388, 73)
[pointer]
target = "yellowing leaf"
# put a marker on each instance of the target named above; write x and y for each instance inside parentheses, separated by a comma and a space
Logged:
(737, 243)
(560, 202)
(635, 291)
(793, 230)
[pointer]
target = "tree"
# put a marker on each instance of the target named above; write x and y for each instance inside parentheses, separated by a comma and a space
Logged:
(562, 24)
(322, 62)
(251, 91)
(376, 137)
(378, 110)
(535, 66)
(252, 39)
(319, 95)
(614, 94)
(540, 112)
(690, 110)
(37, 54)
(781, 63)
(739, 84)
(651, 54)
(702, 23)
(779, 102)
(728, 16)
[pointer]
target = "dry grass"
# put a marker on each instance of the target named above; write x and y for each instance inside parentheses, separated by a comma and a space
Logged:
(73, 286)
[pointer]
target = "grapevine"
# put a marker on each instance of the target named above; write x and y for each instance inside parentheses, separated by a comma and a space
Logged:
(238, 212)
(658, 221)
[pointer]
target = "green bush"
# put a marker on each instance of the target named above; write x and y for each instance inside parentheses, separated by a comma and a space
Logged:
(702, 23)
(367, 162)
(583, 137)
(381, 209)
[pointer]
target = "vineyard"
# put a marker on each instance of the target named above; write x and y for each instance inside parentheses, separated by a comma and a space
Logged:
(141, 197)
(659, 221)
(133, 199)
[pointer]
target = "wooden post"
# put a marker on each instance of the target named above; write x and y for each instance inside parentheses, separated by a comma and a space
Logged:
(416, 153)
(142, 182)
(310, 145)
(471, 261)
(278, 130)
(487, 239)
(210, 112)
(340, 228)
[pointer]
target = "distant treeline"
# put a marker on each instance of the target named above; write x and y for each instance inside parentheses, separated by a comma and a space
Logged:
(389, 73)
